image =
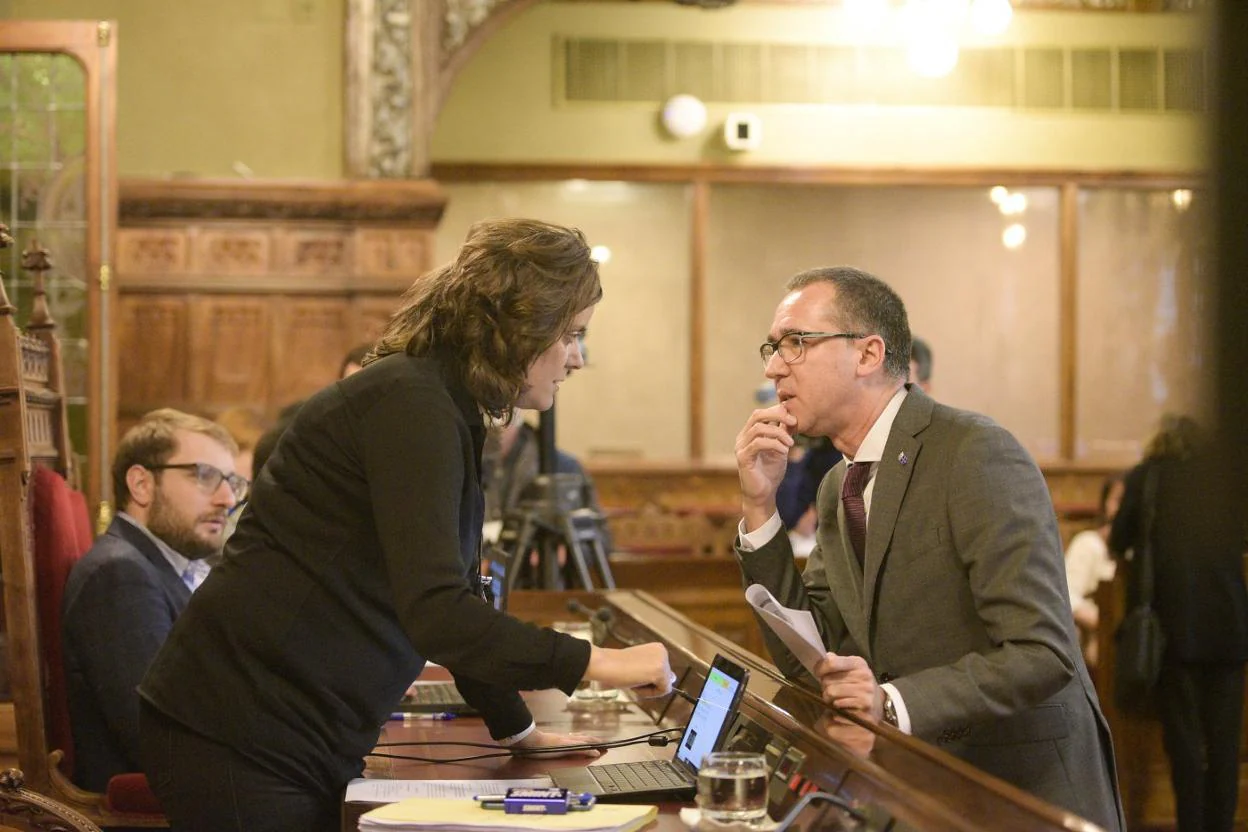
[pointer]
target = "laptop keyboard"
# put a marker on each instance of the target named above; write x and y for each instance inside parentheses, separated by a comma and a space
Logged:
(650, 775)
(435, 694)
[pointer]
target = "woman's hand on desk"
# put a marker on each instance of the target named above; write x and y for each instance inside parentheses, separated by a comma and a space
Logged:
(538, 740)
(644, 667)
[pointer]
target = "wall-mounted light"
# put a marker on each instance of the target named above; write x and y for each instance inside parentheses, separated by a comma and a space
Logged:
(684, 116)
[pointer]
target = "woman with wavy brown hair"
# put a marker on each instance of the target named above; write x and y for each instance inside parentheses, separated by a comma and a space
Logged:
(356, 559)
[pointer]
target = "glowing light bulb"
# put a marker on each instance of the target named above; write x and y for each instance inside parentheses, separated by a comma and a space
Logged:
(1182, 199)
(1013, 205)
(999, 194)
(933, 54)
(600, 254)
(991, 17)
(1014, 236)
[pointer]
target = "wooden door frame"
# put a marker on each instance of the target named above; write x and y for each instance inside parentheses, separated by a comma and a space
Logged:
(93, 44)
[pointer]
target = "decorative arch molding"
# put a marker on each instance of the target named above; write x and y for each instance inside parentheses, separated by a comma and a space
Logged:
(401, 59)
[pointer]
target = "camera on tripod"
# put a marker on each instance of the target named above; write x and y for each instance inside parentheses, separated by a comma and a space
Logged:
(553, 537)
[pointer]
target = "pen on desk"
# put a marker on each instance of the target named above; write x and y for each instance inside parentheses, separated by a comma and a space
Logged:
(400, 716)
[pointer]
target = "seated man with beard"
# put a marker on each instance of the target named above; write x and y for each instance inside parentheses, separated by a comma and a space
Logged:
(175, 482)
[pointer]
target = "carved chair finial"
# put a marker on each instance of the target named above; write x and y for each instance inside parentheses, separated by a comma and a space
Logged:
(36, 260)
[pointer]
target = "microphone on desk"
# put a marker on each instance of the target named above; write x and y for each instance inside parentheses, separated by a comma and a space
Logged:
(602, 623)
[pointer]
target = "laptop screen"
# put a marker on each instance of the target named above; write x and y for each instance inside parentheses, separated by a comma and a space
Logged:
(709, 718)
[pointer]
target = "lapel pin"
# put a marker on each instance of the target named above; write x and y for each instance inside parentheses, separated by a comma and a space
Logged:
(902, 458)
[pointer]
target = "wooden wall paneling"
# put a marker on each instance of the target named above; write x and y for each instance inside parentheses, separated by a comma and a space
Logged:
(308, 338)
(152, 350)
(229, 351)
(391, 258)
(370, 314)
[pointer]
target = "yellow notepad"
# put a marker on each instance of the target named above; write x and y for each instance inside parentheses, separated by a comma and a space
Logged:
(468, 816)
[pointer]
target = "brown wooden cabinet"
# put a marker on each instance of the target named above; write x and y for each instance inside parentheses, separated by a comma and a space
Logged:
(250, 293)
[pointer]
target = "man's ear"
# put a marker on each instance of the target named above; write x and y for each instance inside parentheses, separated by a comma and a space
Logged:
(142, 485)
(873, 354)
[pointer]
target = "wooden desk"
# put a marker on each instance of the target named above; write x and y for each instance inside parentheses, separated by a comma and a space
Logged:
(893, 778)
(551, 711)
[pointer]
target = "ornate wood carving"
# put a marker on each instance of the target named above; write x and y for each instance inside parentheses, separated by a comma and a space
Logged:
(230, 251)
(154, 346)
(314, 336)
(152, 251)
(249, 293)
(229, 349)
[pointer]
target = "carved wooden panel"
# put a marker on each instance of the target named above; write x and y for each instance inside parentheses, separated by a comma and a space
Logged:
(152, 342)
(393, 253)
(229, 349)
(313, 251)
(370, 314)
(310, 337)
(231, 251)
(152, 251)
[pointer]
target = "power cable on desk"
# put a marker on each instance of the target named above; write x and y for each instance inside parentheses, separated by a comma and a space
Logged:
(810, 797)
(655, 738)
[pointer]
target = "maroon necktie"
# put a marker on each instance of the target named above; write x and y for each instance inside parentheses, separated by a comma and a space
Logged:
(855, 509)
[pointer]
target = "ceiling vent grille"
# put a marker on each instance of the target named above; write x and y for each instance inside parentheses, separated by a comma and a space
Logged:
(1104, 79)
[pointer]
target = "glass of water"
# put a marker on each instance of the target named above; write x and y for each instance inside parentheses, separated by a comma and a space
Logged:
(732, 787)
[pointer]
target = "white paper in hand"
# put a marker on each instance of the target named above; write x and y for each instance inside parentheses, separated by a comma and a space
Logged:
(796, 628)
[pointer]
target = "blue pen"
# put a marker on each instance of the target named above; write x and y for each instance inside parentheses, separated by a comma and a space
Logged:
(400, 716)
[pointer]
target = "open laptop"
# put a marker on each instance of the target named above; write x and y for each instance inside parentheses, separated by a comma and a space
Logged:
(675, 779)
(435, 698)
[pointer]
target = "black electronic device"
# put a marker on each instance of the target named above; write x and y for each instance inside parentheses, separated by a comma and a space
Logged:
(435, 698)
(677, 778)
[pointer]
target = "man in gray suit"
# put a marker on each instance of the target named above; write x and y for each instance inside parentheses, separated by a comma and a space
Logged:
(937, 580)
(175, 483)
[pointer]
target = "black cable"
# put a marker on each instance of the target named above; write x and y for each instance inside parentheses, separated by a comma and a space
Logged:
(520, 752)
(810, 797)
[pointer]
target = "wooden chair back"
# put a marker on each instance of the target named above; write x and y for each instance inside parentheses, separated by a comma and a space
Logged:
(40, 513)
(22, 810)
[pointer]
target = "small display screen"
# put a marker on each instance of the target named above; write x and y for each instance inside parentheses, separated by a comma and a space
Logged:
(709, 717)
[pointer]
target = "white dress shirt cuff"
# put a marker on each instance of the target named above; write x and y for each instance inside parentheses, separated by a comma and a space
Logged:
(515, 738)
(899, 704)
(761, 536)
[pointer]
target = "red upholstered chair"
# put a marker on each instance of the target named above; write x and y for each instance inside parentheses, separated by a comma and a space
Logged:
(44, 529)
(61, 532)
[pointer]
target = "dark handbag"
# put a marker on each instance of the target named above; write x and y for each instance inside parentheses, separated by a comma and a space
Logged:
(1139, 639)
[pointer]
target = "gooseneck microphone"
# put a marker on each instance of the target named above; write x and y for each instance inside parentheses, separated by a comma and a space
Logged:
(602, 623)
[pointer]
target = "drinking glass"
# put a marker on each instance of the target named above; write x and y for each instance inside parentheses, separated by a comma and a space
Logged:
(732, 787)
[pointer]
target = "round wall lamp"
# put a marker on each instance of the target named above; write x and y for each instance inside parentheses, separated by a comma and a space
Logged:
(684, 116)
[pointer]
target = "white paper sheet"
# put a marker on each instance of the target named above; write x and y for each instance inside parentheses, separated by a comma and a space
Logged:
(365, 790)
(796, 628)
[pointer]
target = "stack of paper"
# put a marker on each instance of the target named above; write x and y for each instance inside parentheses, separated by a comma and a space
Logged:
(796, 628)
(457, 815)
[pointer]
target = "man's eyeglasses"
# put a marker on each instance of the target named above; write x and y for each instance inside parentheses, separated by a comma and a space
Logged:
(791, 345)
(209, 478)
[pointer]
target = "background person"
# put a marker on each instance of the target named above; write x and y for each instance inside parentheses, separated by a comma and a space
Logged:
(357, 557)
(937, 581)
(1199, 594)
(175, 482)
(1088, 563)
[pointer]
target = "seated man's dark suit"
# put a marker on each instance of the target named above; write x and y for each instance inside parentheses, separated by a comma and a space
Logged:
(120, 604)
(961, 604)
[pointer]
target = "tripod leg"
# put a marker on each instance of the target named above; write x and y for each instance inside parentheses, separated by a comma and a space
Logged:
(604, 567)
(576, 554)
(519, 555)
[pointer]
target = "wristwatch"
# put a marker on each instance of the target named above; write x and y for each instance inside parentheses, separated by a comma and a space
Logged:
(890, 711)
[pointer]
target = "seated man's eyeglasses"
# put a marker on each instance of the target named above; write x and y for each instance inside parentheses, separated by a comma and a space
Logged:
(209, 477)
(791, 345)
